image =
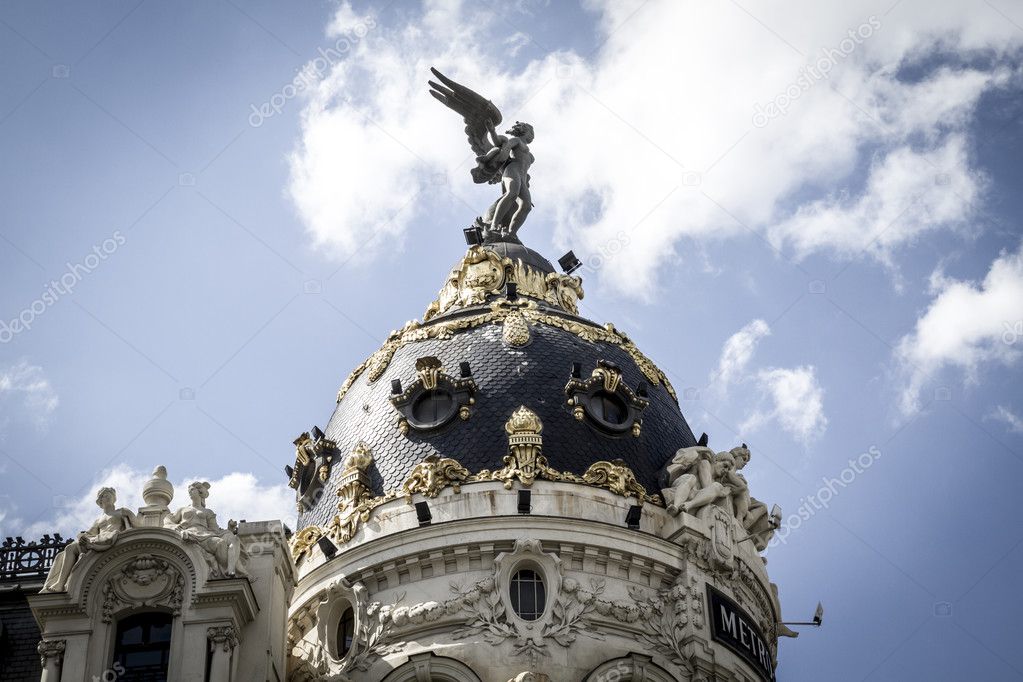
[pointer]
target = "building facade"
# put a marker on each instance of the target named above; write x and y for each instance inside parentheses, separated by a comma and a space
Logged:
(506, 490)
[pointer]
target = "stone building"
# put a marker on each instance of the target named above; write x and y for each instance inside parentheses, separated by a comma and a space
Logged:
(506, 491)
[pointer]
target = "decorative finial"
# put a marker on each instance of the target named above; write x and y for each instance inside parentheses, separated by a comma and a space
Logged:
(158, 491)
(523, 421)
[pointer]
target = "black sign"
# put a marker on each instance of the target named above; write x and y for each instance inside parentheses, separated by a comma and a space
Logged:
(731, 626)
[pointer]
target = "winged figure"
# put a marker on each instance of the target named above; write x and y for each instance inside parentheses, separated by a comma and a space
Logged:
(503, 159)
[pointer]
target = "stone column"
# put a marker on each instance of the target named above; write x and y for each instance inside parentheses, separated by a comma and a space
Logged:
(222, 641)
(51, 656)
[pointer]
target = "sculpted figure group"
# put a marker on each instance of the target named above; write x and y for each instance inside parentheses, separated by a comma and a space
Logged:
(195, 524)
(697, 478)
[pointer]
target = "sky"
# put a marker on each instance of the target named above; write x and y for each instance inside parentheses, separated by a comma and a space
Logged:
(807, 213)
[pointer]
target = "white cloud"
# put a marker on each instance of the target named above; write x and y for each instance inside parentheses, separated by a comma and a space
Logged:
(738, 350)
(26, 393)
(791, 398)
(1011, 420)
(795, 401)
(516, 42)
(234, 496)
(908, 193)
(965, 326)
(662, 116)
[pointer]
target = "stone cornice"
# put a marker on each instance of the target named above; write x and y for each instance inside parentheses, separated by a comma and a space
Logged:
(482, 531)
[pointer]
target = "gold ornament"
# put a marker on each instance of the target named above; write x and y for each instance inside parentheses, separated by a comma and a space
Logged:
(616, 477)
(524, 463)
(516, 329)
(483, 273)
(524, 460)
(500, 310)
(428, 369)
(432, 475)
(304, 540)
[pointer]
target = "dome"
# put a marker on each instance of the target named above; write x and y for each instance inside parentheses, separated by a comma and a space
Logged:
(447, 386)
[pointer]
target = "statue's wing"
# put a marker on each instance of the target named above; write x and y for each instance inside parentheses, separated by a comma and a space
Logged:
(480, 115)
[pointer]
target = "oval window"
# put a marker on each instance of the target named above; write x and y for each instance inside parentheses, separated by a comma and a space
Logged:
(610, 408)
(528, 594)
(345, 632)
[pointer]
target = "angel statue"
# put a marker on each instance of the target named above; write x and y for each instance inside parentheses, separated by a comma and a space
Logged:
(499, 158)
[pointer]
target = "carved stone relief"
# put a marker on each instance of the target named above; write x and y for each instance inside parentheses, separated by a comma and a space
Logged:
(144, 581)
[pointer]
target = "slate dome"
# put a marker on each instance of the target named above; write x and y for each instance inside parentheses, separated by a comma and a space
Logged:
(494, 355)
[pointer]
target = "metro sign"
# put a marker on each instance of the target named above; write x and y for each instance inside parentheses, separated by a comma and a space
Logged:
(733, 627)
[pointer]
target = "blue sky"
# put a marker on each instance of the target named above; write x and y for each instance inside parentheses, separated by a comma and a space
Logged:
(828, 265)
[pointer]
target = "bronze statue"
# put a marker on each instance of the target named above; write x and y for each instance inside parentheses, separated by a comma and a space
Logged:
(499, 158)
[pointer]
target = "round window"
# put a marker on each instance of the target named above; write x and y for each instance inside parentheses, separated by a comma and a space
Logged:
(433, 406)
(528, 594)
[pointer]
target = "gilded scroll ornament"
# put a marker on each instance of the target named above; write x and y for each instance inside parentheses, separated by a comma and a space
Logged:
(565, 292)
(524, 463)
(483, 274)
(432, 475)
(304, 540)
(480, 273)
(616, 477)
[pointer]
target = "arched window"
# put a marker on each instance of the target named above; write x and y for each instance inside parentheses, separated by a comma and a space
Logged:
(345, 632)
(428, 666)
(632, 667)
(142, 647)
(528, 594)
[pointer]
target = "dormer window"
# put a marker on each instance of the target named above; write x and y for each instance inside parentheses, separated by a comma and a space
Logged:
(435, 398)
(314, 457)
(605, 401)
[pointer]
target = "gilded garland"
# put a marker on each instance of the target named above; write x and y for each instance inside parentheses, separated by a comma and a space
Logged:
(524, 464)
(522, 314)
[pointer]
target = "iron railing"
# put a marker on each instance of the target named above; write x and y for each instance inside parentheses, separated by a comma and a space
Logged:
(20, 559)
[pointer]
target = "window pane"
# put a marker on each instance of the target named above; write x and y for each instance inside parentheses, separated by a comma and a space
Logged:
(613, 410)
(132, 635)
(528, 594)
(160, 633)
(143, 647)
(345, 632)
